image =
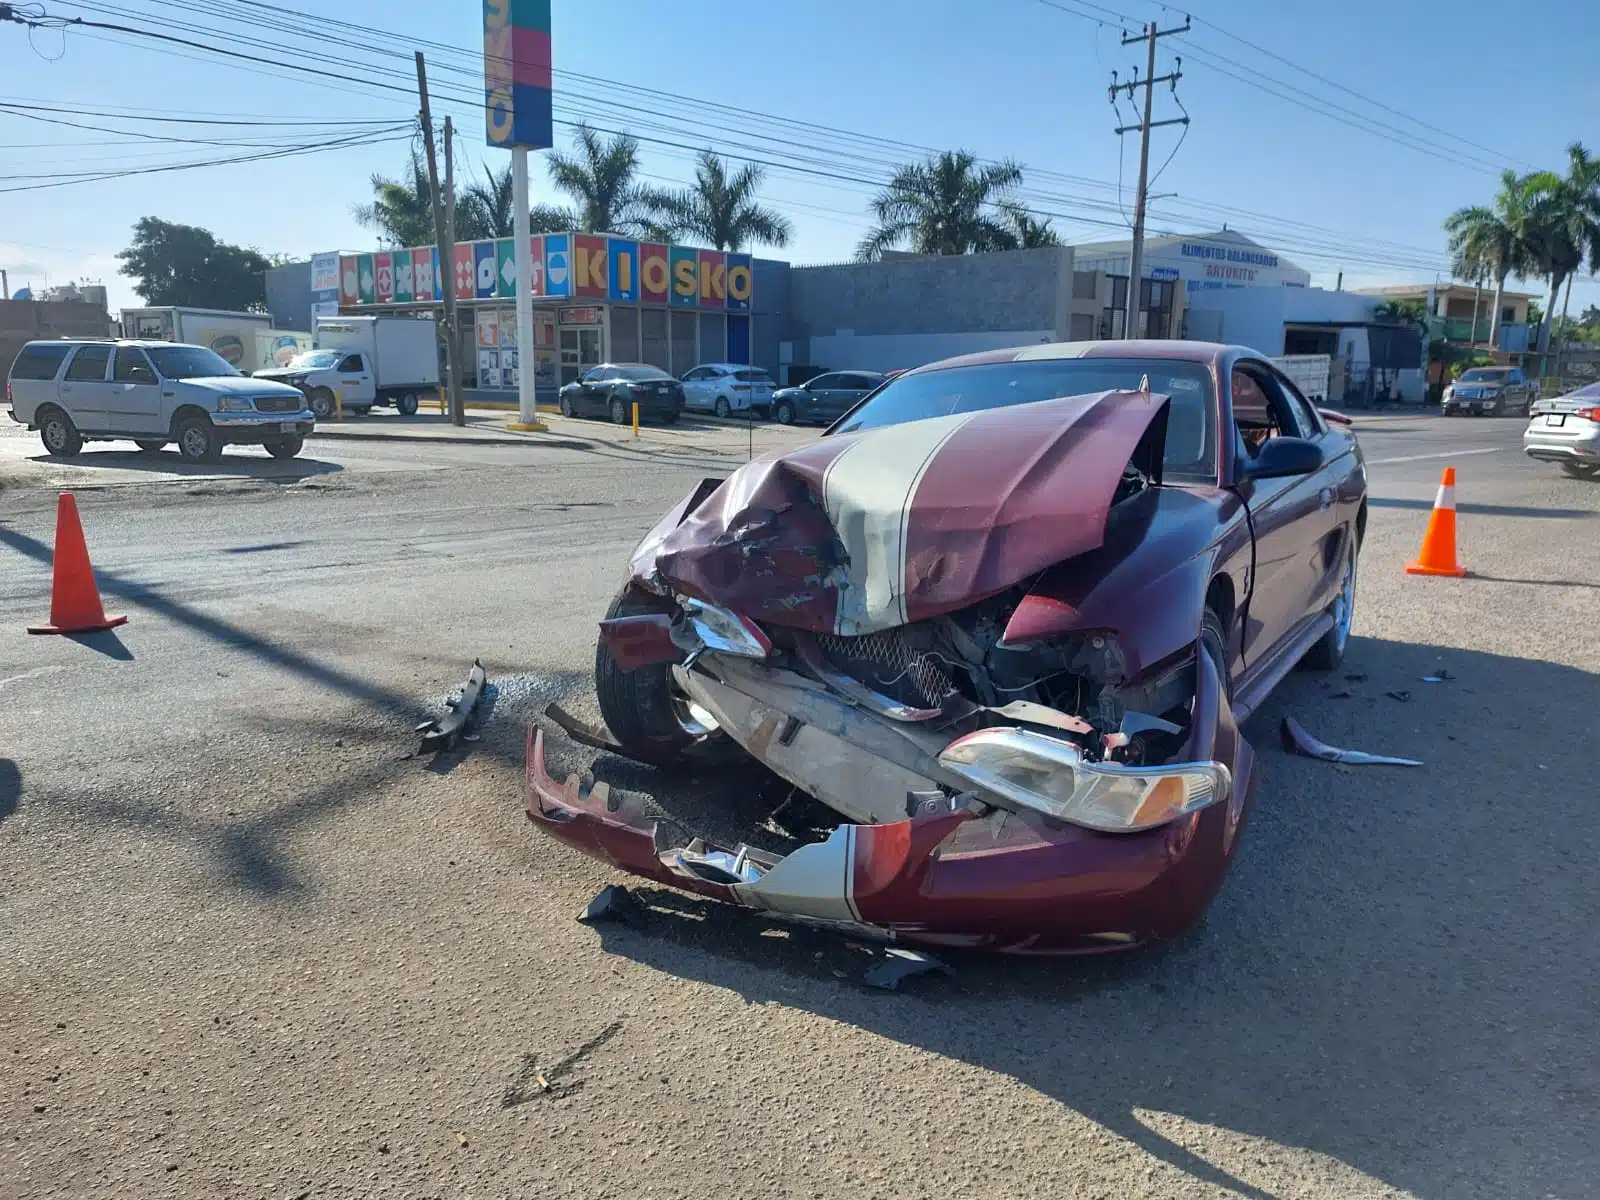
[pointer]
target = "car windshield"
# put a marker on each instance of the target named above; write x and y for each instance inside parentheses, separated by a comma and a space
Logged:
(1587, 391)
(315, 359)
(755, 376)
(1191, 442)
(631, 371)
(188, 362)
(1484, 375)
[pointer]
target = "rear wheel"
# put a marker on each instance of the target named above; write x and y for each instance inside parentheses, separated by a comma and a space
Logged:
(284, 447)
(619, 411)
(644, 709)
(59, 435)
(1329, 650)
(406, 405)
(1581, 470)
(151, 445)
(198, 441)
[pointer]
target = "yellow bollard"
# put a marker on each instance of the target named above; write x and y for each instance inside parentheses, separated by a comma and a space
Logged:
(441, 402)
(635, 418)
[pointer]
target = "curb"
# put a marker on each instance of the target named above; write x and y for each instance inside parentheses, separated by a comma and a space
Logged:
(489, 439)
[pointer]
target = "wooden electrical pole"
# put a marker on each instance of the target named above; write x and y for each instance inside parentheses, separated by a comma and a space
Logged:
(1130, 323)
(445, 274)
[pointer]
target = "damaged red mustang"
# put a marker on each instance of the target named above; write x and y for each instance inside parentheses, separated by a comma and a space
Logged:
(1003, 619)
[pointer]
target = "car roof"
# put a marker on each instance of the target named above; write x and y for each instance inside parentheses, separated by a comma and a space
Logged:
(1210, 354)
(105, 341)
(728, 366)
(614, 366)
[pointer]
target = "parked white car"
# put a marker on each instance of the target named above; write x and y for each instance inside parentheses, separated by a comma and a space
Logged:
(151, 393)
(727, 388)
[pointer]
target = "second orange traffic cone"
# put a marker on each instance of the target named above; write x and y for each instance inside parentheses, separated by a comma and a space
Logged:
(74, 598)
(1438, 553)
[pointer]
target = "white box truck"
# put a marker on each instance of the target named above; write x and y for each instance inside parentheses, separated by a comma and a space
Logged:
(230, 334)
(356, 362)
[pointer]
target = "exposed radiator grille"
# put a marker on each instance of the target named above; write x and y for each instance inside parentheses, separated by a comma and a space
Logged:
(279, 403)
(886, 663)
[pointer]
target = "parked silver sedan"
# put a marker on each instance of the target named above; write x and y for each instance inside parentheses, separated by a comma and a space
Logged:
(1566, 430)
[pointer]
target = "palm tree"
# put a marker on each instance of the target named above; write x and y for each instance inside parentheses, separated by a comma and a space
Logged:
(485, 210)
(942, 206)
(600, 177)
(1026, 231)
(1564, 227)
(401, 212)
(1494, 239)
(721, 210)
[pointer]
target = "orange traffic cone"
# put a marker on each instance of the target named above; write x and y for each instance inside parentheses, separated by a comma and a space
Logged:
(74, 598)
(1438, 554)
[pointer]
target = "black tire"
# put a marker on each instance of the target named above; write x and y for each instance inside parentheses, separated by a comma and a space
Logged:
(784, 413)
(723, 408)
(619, 411)
(406, 405)
(1328, 652)
(284, 447)
(321, 401)
(671, 418)
(1580, 470)
(1214, 642)
(566, 406)
(198, 441)
(150, 445)
(60, 436)
(641, 708)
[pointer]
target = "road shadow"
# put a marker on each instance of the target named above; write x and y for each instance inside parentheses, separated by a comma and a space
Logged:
(1557, 583)
(1490, 510)
(230, 465)
(10, 788)
(265, 547)
(1393, 950)
(104, 642)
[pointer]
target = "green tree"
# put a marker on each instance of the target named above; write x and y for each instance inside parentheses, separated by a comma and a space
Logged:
(1494, 240)
(721, 209)
(485, 210)
(601, 176)
(1564, 227)
(401, 210)
(1025, 231)
(943, 205)
(183, 264)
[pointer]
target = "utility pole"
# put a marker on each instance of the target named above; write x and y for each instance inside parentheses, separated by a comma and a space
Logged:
(1150, 36)
(457, 405)
(446, 252)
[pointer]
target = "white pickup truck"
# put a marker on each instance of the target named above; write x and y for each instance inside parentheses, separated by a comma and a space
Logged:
(358, 362)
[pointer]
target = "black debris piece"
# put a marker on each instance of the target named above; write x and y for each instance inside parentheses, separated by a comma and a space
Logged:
(1356, 676)
(1400, 696)
(898, 965)
(614, 903)
(442, 734)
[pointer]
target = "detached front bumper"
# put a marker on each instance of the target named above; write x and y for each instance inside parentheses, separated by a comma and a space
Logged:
(964, 876)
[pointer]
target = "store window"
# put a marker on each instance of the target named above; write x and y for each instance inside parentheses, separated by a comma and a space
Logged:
(685, 342)
(654, 348)
(625, 335)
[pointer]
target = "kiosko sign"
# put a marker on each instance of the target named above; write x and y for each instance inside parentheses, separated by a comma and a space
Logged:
(516, 73)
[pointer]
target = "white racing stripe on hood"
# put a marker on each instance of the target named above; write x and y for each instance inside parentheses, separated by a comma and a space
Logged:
(867, 492)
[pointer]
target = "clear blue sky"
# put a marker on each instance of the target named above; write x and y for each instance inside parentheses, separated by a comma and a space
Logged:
(1010, 78)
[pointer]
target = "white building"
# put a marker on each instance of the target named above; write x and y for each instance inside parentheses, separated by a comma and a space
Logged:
(1202, 261)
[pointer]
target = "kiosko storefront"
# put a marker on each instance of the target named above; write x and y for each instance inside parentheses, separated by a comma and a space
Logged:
(597, 298)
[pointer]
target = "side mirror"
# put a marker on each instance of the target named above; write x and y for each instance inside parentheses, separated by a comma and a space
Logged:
(141, 375)
(1281, 456)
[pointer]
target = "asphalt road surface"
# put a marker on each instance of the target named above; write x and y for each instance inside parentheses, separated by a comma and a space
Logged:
(250, 949)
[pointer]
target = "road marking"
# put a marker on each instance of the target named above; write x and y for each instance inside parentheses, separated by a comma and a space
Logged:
(1380, 462)
(33, 674)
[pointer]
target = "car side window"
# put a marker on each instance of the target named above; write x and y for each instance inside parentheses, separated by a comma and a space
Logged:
(593, 375)
(1260, 410)
(855, 383)
(352, 362)
(89, 364)
(127, 359)
(823, 383)
(1310, 423)
(39, 362)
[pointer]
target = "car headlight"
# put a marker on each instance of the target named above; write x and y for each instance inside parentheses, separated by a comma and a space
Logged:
(235, 404)
(1051, 776)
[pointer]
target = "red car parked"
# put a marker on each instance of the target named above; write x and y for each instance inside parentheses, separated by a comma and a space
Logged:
(1004, 619)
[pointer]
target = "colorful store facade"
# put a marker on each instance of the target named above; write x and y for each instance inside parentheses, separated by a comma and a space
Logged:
(597, 298)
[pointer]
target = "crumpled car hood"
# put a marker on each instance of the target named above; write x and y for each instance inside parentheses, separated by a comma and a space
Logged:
(863, 532)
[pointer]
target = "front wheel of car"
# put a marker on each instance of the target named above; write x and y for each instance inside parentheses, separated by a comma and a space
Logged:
(784, 413)
(284, 447)
(723, 407)
(1328, 652)
(322, 403)
(1214, 642)
(645, 710)
(198, 441)
(566, 406)
(60, 436)
(1581, 470)
(619, 411)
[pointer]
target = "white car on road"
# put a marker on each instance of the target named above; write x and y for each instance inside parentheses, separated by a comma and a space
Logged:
(727, 388)
(1566, 430)
(151, 393)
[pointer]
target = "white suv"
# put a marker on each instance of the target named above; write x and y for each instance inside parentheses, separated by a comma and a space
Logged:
(724, 388)
(85, 390)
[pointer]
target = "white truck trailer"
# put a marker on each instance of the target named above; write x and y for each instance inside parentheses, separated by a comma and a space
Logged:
(230, 334)
(357, 362)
